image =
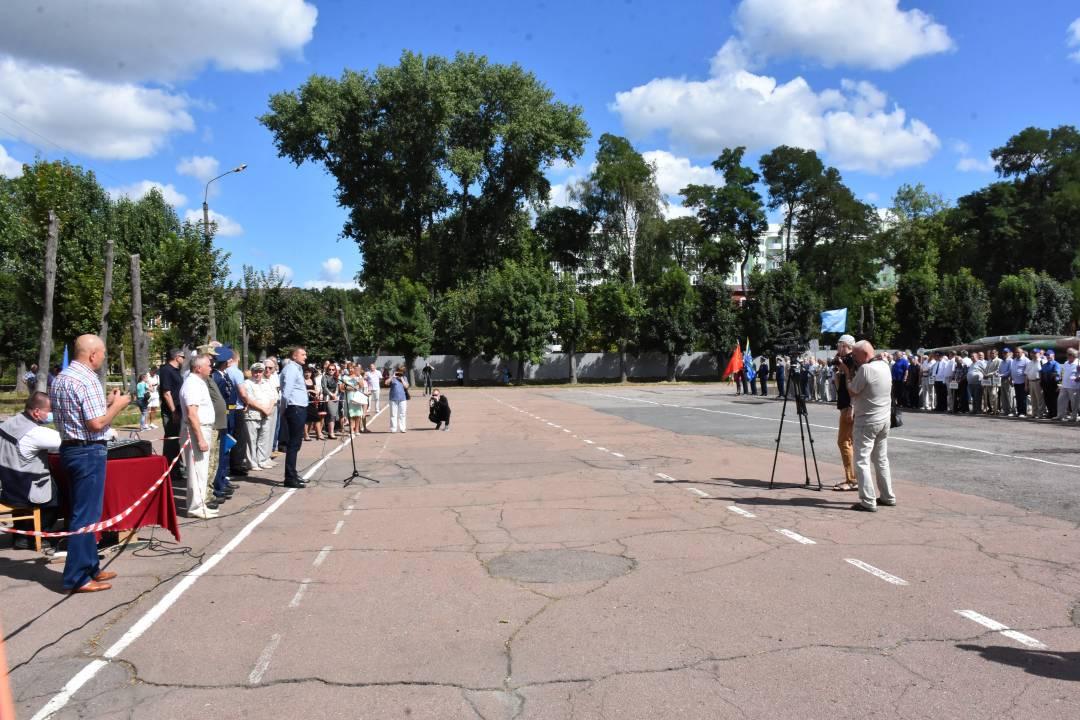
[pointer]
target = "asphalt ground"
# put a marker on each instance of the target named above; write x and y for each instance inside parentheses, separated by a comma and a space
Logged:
(553, 557)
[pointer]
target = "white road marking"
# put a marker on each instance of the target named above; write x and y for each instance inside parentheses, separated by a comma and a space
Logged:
(670, 405)
(739, 511)
(701, 493)
(357, 495)
(566, 430)
(337, 528)
(602, 449)
(295, 602)
(833, 427)
(551, 424)
(877, 572)
(321, 557)
(263, 663)
(617, 454)
(1001, 628)
(662, 476)
(154, 614)
(348, 510)
(589, 442)
(796, 537)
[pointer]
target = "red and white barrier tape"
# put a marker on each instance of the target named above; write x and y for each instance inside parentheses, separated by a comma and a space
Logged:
(104, 524)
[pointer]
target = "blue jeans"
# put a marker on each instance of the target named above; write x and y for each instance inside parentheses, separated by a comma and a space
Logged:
(85, 469)
(221, 478)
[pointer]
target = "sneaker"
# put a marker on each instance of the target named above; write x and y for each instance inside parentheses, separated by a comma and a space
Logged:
(446, 429)
(202, 513)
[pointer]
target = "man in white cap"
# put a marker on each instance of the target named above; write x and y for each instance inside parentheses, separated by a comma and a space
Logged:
(847, 414)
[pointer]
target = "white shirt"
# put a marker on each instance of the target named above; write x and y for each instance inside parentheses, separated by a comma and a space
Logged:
(373, 377)
(195, 392)
(943, 371)
(263, 393)
(38, 440)
(1033, 367)
(152, 384)
(1068, 375)
(871, 392)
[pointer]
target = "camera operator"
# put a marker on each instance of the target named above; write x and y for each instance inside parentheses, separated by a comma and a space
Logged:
(847, 414)
(869, 382)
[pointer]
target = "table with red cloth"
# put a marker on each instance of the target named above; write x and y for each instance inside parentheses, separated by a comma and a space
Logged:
(125, 482)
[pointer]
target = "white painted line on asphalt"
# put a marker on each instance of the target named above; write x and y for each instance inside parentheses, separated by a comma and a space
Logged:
(348, 510)
(876, 572)
(357, 495)
(670, 405)
(337, 528)
(739, 511)
(602, 449)
(551, 424)
(700, 493)
(589, 442)
(1000, 628)
(263, 663)
(566, 430)
(617, 454)
(322, 555)
(295, 602)
(662, 476)
(833, 427)
(154, 614)
(796, 537)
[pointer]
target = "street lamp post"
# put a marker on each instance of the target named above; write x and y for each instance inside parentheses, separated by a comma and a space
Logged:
(206, 232)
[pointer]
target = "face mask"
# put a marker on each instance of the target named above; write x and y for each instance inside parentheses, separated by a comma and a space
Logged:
(48, 420)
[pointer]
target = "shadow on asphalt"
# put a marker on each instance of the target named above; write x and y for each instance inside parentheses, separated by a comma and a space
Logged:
(33, 569)
(797, 501)
(1054, 665)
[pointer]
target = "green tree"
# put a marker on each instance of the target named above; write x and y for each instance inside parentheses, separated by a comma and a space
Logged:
(571, 320)
(615, 309)
(717, 318)
(621, 194)
(789, 174)
(459, 324)
(962, 310)
(402, 320)
(518, 318)
(780, 303)
(672, 304)
(915, 229)
(1053, 308)
(566, 234)
(916, 303)
(732, 216)
(1015, 304)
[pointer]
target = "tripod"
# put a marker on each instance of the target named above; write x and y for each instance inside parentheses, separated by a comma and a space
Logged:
(352, 447)
(804, 420)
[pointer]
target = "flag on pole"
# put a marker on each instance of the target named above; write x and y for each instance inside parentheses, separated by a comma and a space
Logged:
(64, 362)
(834, 320)
(735, 364)
(748, 362)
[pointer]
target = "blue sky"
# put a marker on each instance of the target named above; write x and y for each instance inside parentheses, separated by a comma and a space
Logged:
(890, 92)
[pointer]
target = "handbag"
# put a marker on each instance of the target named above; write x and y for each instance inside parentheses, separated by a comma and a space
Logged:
(896, 418)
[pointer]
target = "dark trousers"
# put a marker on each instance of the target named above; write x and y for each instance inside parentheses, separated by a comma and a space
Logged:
(281, 432)
(427, 384)
(764, 386)
(238, 464)
(780, 387)
(962, 397)
(941, 396)
(1021, 398)
(753, 385)
(898, 394)
(976, 398)
(295, 415)
(221, 478)
(1050, 395)
(170, 422)
(85, 468)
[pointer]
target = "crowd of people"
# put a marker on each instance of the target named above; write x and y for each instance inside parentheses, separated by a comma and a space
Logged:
(1012, 382)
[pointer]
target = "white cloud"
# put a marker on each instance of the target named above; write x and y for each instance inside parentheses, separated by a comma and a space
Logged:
(9, 166)
(200, 167)
(852, 125)
(560, 193)
(164, 41)
(970, 164)
(339, 284)
(1074, 39)
(874, 34)
(139, 189)
(282, 271)
(99, 119)
(960, 147)
(675, 210)
(226, 226)
(673, 173)
(331, 269)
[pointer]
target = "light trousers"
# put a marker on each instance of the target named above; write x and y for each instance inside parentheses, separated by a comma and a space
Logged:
(268, 445)
(1068, 399)
(397, 415)
(990, 398)
(198, 467)
(258, 440)
(926, 395)
(1036, 399)
(872, 460)
(1007, 397)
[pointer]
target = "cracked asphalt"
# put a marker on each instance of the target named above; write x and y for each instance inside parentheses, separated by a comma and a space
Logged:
(609, 552)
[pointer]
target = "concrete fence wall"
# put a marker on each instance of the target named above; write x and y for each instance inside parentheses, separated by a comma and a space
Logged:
(555, 367)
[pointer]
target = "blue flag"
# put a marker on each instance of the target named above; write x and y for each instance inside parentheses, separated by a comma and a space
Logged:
(834, 320)
(64, 362)
(748, 362)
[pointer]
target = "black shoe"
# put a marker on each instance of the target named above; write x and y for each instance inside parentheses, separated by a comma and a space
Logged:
(219, 499)
(21, 542)
(294, 484)
(213, 504)
(862, 508)
(232, 486)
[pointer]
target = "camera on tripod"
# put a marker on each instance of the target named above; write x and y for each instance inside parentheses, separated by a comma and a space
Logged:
(788, 345)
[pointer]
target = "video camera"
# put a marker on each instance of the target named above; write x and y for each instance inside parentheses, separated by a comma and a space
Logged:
(788, 345)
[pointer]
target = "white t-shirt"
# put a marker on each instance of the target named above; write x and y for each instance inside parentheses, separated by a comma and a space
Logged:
(1068, 375)
(37, 440)
(374, 378)
(263, 393)
(871, 392)
(195, 392)
(152, 384)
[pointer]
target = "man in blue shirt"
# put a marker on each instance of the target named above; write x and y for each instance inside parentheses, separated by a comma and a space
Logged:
(295, 399)
(1018, 378)
(1049, 376)
(1006, 397)
(899, 379)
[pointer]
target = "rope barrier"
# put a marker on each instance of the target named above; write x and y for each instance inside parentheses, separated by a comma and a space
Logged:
(104, 524)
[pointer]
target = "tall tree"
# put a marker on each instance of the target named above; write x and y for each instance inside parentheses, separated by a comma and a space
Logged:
(672, 304)
(781, 303)
(1015, 304)
(459, 324)
(616, 312)
(717, 318)
(571, 320)
(621, 194)
(402, 319)
(916, 302)
(962, 310)
(733, 214)
(517, 309)
(789, 174)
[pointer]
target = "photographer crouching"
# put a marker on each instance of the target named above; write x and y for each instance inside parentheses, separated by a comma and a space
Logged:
(869, 382)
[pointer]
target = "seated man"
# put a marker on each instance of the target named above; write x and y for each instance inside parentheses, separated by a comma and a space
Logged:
(25, 481)
(439, 410)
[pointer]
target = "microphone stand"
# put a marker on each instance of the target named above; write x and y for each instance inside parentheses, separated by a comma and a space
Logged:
(352, 448)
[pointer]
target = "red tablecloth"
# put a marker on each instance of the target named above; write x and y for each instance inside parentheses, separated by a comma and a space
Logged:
(125, 482)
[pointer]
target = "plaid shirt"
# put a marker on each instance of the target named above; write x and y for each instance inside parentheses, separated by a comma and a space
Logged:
(77, 396)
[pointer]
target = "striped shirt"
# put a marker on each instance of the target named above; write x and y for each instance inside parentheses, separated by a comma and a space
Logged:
(77, 397)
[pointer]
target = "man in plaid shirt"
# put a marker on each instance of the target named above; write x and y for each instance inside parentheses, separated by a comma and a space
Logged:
(83, 416)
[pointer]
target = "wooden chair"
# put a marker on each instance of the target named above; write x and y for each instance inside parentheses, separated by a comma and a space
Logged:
(31, 513)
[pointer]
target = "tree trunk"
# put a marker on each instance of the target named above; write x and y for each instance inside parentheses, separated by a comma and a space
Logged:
(123, 367)
(410, 360)
(20, 381)
(106, 304)
(345, 331)
(671, 362)
(573, 363)
(45, 339)
(520, 371)
(212, 329)
(622, 362)
(138, 338)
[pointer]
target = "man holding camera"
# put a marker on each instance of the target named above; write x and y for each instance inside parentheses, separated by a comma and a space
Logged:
(847, 414)
(870, 386)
